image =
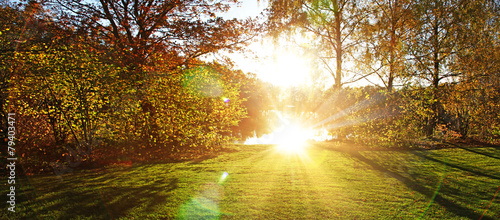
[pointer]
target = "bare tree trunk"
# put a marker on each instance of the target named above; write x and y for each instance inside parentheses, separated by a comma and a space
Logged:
(338, 40)
(431, 125)
(390, 81)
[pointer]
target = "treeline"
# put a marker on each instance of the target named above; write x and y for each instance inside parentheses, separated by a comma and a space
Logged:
(121, 80)
(402, 118)
(434, 64)
(94, 80)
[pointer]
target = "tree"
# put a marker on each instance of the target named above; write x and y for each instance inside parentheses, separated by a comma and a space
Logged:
(384, 38)
(22, 28)
(472, 102)
(138, 34)
(433, 46)
(66, 91)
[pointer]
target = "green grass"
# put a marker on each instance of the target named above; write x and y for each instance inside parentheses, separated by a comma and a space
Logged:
(331, 181)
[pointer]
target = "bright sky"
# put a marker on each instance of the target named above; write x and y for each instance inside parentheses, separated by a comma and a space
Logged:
(247, 8)
(277, 64)
(281, 64)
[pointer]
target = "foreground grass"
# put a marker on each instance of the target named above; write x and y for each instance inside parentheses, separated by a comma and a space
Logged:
(327, 181)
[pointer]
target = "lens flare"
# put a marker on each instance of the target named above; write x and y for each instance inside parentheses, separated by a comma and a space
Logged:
(223, 177)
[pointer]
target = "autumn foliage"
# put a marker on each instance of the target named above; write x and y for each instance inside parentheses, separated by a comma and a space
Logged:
(126, 80)
(134, 88)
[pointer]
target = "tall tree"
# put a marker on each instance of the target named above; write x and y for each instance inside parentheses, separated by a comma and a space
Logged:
(384, 36)
(478, 62)
(433, 46)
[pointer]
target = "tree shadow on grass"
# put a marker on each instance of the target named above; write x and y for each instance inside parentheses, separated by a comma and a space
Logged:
(121, 199)
(477, 151)
(420, 187)
(470, 170)
(24, 198)
(91, 195)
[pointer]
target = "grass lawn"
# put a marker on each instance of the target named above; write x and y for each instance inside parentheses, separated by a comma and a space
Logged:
(327, 181)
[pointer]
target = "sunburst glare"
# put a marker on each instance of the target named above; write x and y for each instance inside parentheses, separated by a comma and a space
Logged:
(292, 138)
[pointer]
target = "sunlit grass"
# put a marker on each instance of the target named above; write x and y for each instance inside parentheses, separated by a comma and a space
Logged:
(258, 182)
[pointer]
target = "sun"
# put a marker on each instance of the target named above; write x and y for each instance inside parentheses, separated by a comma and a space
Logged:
(292, 139)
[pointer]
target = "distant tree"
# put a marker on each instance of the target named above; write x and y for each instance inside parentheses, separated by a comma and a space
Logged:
(258, 101)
